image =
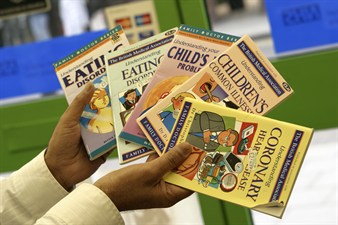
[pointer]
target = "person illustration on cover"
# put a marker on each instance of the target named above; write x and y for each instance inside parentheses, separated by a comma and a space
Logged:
(102, 121)
(211, 170)
(189, 168)
(161, 90)
(208, 89)
(208, 132)
(168, 117)
(131, 98)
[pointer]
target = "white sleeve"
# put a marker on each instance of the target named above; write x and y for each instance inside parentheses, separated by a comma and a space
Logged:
(85, 205)
(29, 193)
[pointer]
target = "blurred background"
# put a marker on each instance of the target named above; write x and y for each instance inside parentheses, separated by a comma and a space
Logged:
(300, 37)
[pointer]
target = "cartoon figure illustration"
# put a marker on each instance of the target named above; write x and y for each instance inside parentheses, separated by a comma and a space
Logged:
(124, 115)
(161, 90)
(189, 167)
(211, 170)
(208, 132)
(101, 122)
(169, 116)
(208, 90)
(131, 98)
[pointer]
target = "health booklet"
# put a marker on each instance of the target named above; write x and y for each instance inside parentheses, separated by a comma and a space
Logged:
(87, 65)
(239, 157)
(129, 71)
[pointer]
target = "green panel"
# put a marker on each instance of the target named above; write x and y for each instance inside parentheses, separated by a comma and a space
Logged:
(235, 214)
(212, 210)
(194, 13)
(25, 130)
(168, 14)
(314, 78)
(217, 212)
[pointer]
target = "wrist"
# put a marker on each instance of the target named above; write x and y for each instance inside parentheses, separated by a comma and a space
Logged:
(111, 192)
(57, 174)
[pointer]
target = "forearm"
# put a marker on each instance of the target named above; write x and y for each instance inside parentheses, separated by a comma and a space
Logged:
(29, 192)
(85, 205)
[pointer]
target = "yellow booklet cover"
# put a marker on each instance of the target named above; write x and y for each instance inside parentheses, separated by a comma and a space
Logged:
(243, 158)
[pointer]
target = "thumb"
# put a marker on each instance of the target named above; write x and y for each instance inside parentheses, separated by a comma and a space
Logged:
(172, 159)
(100, 160)
(75, 109)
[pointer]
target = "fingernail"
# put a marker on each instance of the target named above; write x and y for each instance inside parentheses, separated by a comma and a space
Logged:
(187, 148)
(89, 87)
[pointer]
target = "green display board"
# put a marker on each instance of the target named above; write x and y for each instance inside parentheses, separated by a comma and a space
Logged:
(168, 14)
(314, 78)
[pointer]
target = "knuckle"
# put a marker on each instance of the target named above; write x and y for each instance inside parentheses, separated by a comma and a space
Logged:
(172, 160)
(149, 171)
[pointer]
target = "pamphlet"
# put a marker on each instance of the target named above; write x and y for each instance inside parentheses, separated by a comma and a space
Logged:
(87, 65)
(129, 71)
(239, 157)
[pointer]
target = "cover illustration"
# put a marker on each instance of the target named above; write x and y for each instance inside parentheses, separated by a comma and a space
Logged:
(191, 49)
(241, 77)
(88, 65)
(129, 71)
(243, 158)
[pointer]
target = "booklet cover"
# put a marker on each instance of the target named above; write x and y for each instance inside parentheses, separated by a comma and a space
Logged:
(241, 77)
(243, 158)
(191, 49)
(129, 71)
(87, 65)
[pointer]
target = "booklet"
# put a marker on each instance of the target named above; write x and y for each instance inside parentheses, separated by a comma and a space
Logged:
(191, 49)
(87, 65)
(129, 71)
(239, 157)
(241, 77)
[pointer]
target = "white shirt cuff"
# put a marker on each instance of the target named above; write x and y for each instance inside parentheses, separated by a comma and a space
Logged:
(87, 204)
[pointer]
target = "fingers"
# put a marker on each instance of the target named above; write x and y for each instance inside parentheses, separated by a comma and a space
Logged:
(177, 193)
(152, 157)
(95, 164)
(172, 159)
(106, 155)
(75, 109)
(102, 159)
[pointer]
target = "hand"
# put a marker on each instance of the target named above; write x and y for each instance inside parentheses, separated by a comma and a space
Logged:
(141, 186)
(206, 136)
(216, 99)
(66, 156)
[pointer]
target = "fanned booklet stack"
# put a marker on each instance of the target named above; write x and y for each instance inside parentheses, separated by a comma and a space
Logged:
(193, 85)
(191, 49)
(240, 77)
